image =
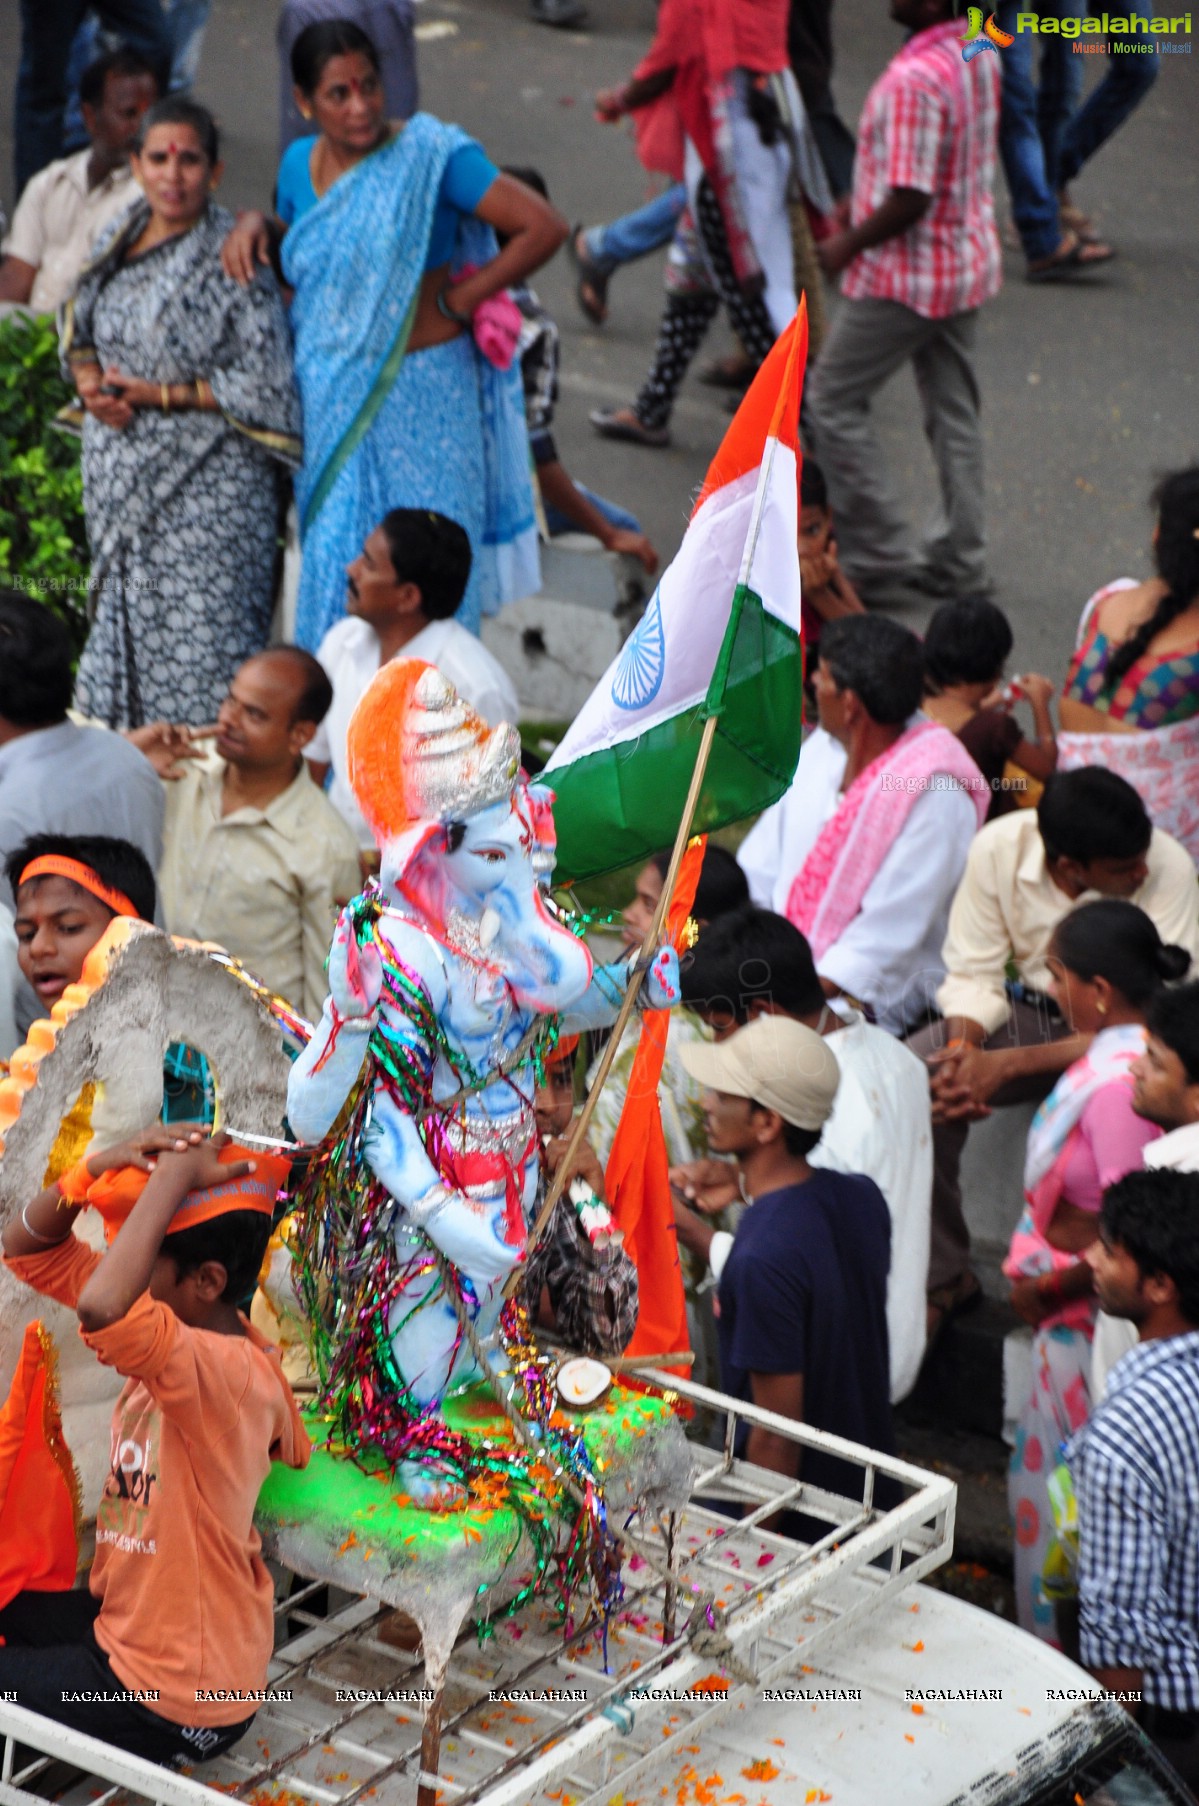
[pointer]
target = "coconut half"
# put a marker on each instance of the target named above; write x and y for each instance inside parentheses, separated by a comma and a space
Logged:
(583, 1382)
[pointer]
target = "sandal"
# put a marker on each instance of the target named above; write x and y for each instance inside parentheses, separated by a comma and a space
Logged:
(1075, 220)
(591, 289)
(622, 423)
(734, 372)
(1078, 255)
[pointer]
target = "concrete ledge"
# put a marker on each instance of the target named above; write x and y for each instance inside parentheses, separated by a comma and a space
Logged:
(556, 645)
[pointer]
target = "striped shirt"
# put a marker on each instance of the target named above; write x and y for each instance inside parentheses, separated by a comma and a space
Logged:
(1136, 1479)
(931, 123)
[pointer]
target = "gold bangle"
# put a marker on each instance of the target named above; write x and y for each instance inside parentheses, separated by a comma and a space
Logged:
(165, 396)
(199, 391)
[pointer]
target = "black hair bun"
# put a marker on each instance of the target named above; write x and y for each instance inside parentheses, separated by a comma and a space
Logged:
(1173, 963)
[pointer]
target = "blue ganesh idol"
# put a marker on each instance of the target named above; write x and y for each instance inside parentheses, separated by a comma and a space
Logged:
(445, 981)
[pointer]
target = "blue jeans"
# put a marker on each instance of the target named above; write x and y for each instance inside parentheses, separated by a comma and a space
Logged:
(1043, 141)
(1072, 134)
(636, 234)
(1034, 197)
(47, 30)
(613, 513)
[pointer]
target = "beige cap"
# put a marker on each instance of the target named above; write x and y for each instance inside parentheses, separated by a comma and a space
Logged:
(775, 1061)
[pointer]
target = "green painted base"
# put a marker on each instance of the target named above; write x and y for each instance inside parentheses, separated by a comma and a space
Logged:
(334, 1521)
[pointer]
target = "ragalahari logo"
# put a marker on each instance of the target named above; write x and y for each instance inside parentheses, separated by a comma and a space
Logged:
(982, 35)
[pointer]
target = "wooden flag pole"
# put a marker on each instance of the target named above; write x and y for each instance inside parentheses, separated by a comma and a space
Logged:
(649, 947)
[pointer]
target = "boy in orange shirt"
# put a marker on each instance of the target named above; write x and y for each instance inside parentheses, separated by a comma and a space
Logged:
(170, 1645)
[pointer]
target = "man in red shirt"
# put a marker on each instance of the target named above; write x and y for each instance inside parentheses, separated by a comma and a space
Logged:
(920, 257)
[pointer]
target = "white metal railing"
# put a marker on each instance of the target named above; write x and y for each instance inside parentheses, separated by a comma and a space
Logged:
(774, 1604)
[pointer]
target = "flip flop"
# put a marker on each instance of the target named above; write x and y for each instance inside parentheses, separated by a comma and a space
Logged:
(728, 373)
(622, 423)
(591, 289)
(1075, 220)
(1078, 257)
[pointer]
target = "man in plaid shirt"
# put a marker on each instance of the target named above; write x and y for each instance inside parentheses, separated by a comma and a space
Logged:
(1136, 1464)
(920, 257)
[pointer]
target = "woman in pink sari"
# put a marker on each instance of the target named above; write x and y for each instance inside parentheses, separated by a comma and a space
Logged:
(1108, 962)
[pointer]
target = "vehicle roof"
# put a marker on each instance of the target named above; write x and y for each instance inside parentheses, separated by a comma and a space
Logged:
(882, 1747)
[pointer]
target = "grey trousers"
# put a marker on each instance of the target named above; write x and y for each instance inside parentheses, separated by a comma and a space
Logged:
(868, 342)
(949, 1242)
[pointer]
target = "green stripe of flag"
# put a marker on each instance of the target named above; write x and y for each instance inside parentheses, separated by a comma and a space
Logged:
(621, 804)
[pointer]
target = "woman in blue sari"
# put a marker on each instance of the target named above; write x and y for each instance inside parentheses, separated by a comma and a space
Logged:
(378, 226)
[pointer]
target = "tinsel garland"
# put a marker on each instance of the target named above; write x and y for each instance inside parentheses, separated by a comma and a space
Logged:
(355, 1282)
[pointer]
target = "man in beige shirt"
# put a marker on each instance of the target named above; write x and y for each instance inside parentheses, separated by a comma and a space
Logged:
(1003, 1041)
(254, 857)
(68, 203)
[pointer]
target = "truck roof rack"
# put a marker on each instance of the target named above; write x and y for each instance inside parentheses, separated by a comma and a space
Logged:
(530, 1708)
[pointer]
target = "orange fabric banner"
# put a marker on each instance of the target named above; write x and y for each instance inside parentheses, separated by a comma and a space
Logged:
(39, 1489)
(637, 1179)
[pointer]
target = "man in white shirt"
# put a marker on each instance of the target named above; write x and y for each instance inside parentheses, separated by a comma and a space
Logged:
(1167, 1093)
(1002, 1041)
(895, 849)
(66, 205)
(751, 962)
(402, 591)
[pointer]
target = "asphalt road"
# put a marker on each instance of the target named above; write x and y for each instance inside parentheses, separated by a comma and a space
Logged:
(1089, 389)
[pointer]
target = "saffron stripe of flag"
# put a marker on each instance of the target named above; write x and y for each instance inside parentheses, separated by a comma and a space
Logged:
(721, 636)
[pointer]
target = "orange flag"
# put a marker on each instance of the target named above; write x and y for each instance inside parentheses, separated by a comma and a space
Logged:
(39, 1489)
(637, 1178)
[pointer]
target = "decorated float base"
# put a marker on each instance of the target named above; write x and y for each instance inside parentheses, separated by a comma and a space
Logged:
(350, 1525)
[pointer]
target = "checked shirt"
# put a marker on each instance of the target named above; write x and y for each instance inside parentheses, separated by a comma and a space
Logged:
(931, 122)
(1136, 1480)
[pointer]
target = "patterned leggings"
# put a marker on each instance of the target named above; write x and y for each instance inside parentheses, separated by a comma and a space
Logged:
(687, 318)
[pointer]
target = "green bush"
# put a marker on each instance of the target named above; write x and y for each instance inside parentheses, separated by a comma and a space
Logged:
(43, 545)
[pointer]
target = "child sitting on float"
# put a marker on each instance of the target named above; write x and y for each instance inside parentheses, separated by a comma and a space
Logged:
(166, 1653)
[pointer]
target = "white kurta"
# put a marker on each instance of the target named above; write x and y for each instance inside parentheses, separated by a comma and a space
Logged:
(881, 1125)
(890, 954)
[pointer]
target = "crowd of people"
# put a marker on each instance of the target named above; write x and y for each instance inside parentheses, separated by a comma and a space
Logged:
(957, 907)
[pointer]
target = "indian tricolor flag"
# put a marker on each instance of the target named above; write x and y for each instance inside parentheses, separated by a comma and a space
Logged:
(719, 637)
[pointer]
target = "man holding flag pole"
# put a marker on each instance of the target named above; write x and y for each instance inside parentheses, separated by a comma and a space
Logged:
(696, 724)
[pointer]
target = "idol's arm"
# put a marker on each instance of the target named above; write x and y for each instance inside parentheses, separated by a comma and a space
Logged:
(600, 1003)
(328, 1069)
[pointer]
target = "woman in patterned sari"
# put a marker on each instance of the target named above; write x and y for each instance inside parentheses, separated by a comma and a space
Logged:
(1108, 962)
(1131, 697)
(388, 240)
(191, 412)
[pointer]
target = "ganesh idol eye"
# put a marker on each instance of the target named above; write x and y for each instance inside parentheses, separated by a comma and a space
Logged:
(491, 855)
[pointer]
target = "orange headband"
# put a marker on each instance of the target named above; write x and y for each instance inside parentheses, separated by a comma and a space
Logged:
(115, 1193)
(53, 865)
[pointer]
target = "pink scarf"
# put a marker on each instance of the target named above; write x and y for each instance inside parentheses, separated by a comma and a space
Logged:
(829, 886)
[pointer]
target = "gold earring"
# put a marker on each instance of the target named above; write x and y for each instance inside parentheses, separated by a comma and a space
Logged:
(1103, 1009)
